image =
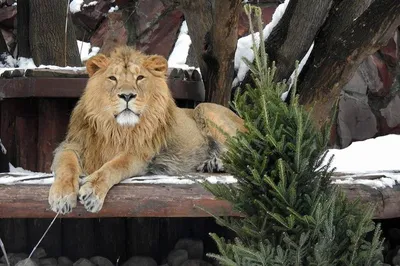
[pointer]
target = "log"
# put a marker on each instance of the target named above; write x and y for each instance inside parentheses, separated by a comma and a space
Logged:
(73, 88)
(123, 200)
(147, 196)
(339, 50)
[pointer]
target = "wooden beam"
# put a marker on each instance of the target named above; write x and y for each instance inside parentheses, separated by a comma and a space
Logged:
(123, 200)
(59, 87)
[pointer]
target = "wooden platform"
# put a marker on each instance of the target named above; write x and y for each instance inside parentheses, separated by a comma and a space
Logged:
(25, 196)
(173, 197)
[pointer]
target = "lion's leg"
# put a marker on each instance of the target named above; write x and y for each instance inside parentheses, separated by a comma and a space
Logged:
(213, 118)
(63, 191)
(95, 187)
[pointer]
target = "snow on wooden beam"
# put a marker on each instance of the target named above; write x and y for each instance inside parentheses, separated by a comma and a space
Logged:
(24, 195)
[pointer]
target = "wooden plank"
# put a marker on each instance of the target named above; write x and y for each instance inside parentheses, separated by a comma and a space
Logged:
(111, 238)
(144, 237)
(78, 239)
(10, 110)
(7, 134)
(26, 134)
(123, 200)
(51, 242)
(73, 88)
(53, 122)
(13, 233)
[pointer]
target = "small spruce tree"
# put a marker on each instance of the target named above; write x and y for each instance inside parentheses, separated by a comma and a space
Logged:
(293, 214)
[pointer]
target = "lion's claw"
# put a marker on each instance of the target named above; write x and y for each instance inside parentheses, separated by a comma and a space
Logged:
(89, 198)
(64, 204)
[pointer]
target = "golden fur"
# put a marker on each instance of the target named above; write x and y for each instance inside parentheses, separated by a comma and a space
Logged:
(126, 124)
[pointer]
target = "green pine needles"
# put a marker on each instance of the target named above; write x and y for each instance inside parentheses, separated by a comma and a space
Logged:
(294, 215)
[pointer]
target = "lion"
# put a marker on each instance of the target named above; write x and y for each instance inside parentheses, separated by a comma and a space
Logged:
(127, 124)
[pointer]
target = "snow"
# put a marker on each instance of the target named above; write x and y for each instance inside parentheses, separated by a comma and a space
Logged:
(243, 49)
(371, 162)
(75, 6)
(2, 148)
(179, 54)
(300, 68)
(113, 9)
(93, 3)
(369, 158)
(371, 155)
(86, 50)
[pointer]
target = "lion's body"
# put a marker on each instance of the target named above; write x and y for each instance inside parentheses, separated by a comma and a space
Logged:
(133, 127)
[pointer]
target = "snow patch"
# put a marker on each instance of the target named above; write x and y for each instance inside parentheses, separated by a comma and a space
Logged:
(243, 49)
(368, 158)
(113, 9)
(93, 3)
(179, 54)
(75, 6)
(371, 155)
(86, 50)
(300, 68)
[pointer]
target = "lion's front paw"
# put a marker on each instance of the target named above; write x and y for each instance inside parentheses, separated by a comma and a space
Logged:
(63, 195)
(93, 191)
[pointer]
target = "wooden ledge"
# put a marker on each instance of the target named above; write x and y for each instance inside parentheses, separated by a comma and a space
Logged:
(59, 87)
(25, 196)
(21, 200)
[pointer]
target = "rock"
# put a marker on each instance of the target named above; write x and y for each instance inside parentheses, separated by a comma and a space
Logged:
(39, 253)
(392, 112)
(195, 248)
(26, 262)
(83, 262)
(160, 37)
(356, 120)
(14, 258)
(101, 261)
(64, 261)
(110, 34)
(177, 256)
(140, 261)
(396, 260)
(48, 262)
(394, 235)
(196, 263)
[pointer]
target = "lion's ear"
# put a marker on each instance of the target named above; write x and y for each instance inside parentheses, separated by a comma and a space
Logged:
(95, 63)
(156, 64)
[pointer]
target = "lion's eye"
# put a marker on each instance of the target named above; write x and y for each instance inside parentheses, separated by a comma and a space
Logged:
(140, 77)
(112, 78)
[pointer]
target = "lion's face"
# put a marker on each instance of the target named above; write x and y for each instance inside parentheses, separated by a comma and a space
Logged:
(124, 85)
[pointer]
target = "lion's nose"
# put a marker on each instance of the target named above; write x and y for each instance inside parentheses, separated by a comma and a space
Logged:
(127, 97)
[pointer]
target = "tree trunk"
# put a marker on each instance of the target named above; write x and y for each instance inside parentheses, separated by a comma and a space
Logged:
(23, 29)
(213, 29)
(48, 42)
(3, 46)
(287, 43)
(340, 48)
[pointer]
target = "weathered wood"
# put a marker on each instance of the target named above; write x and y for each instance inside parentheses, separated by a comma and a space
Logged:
(73, 88)
(123, 200)
(111, 236)
(14, 233)
(213, 30)
(334, 59)
(51, 242)
(144, 235)
(53, 122)
(62, 73)
(78, 238)
(49, 43)
(26, 135)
